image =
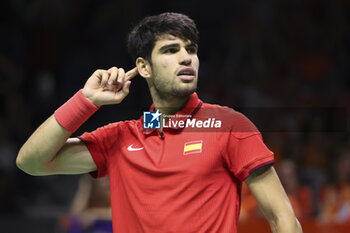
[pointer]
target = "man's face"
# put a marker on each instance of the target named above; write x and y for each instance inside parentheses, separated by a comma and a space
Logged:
(174, 66)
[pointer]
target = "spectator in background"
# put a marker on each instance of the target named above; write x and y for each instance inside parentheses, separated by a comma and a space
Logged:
(91, 208)
(336, 196)
(313, 173)
(299, 196)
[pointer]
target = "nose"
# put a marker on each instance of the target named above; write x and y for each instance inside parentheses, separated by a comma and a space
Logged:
(185, 58)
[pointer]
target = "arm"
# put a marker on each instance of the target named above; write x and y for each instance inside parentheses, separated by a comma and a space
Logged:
(267, 190)
(49, 149)
(82, 196)
(81, 208)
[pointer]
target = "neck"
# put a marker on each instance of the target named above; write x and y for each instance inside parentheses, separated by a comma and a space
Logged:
(168, 105)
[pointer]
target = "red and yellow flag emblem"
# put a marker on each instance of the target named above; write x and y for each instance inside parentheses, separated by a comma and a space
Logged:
(193, 147)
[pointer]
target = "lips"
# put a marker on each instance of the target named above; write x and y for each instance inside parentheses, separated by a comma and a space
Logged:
(186, 73)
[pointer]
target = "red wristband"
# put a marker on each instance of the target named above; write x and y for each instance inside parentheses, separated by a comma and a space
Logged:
(72, 114)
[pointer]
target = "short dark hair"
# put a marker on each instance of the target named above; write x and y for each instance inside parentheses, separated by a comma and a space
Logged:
(143, 36)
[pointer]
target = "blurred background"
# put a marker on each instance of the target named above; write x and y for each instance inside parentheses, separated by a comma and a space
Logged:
(283, 63)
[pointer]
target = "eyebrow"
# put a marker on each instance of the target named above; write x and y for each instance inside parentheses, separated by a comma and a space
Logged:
(169, 46)
(176, 45)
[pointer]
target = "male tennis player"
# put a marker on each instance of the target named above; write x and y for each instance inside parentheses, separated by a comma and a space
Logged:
(170, 179)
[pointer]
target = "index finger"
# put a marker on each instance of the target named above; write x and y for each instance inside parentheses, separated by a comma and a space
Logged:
(131, 73)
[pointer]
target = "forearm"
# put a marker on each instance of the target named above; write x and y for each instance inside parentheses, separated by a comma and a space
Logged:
(42, 146)
(47, 151)
(281, 218)
(285, 225)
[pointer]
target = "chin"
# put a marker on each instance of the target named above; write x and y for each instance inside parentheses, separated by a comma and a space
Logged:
(184, 91)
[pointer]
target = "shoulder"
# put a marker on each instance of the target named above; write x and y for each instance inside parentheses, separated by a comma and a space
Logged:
(233, 121)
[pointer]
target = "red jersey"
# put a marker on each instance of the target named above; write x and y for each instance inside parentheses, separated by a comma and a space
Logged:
(181, 181)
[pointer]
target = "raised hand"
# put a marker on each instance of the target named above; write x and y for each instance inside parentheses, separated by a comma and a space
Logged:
(108, 86)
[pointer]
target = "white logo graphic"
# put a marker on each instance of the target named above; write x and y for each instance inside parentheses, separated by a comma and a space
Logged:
(151, 120)
(155, 115)
(130, 148)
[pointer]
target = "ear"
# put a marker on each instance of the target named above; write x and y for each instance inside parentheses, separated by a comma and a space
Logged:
(143, 67)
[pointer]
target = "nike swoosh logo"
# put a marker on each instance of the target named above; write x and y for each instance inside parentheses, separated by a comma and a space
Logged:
(130, 148)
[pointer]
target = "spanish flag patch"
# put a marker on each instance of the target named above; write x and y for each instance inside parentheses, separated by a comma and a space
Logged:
(193, 147)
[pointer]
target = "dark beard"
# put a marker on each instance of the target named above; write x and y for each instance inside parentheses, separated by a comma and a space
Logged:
(172, 91)
(182, 92)
(175, 92)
